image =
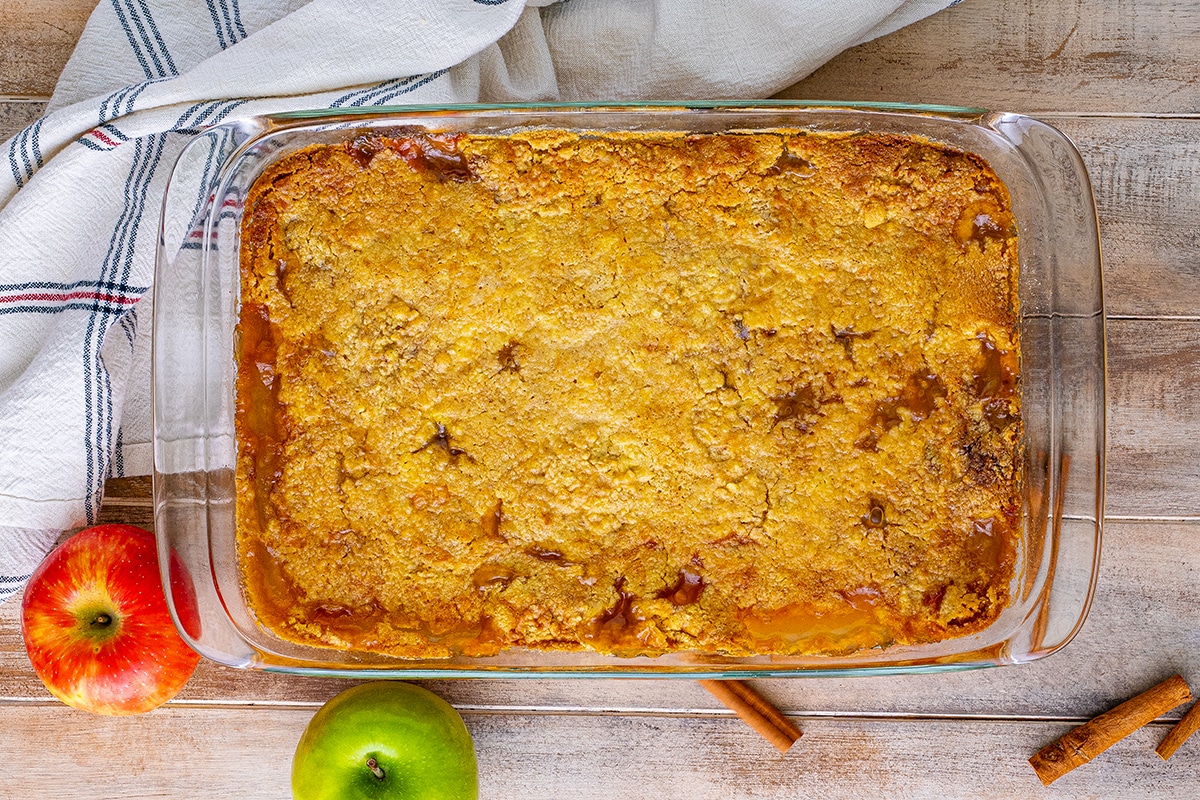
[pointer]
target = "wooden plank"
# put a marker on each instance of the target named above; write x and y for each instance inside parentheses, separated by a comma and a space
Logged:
(1154, 433)
(36, 40)
(140, 515)
(1146, 192)
(1146, 176)
(232, 733)
(133, 490)
(1140, 631)
(246, 753)
(1154, 419)
(16, 114)
(1015, 55)
(1147, 187)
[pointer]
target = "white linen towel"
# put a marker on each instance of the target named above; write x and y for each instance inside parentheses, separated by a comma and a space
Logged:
(79, 202)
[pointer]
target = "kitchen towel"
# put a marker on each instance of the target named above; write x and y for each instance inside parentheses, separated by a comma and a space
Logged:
(79, 202)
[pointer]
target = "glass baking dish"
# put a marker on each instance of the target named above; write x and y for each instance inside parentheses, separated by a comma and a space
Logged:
(1062, 384)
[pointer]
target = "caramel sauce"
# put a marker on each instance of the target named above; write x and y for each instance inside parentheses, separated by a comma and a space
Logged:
(788, 164)
(615, 625)
(263, 429)
(490, 521)
(884, 417)
(349, 623)
(875, 516)
(988, 549)
(803, 405)
(544, 553)
(441, 439)
(433, 154)
(273, 585)
(508, 357)
(853, 626)
(919, 398)
(998, 375)
(981, 222)
(984, 227)
(798, 404)
(280, 600)
(492, 575)
(996, 383)
(364, 147)
(430, 497)
(986, 546)
(933, 598)
(999, 414)
(862, 598)
(686, 590)
(923, 391)
(846, 337)
(436, 154)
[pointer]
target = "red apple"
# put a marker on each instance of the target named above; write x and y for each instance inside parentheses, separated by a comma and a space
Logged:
(96, 624)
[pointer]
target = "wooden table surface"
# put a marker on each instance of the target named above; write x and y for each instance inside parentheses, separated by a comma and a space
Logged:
(1119, 78)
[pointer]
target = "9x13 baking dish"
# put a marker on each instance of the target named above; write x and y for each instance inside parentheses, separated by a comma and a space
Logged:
(199, 297)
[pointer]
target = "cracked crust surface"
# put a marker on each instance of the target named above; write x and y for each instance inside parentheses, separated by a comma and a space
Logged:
(635, 393)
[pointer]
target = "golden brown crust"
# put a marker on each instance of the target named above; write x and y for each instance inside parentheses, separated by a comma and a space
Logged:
(637, 393)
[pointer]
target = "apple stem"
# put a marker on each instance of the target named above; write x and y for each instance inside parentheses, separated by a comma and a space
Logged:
(102, 620)
(373, 765)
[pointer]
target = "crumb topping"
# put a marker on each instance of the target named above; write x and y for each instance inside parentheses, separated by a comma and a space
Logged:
(637, 393)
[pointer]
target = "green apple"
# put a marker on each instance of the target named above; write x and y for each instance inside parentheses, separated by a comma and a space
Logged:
(386, 739)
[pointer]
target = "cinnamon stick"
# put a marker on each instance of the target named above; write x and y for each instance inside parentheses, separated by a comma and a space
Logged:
(1180, 733)
(1089, 740)
(748, 704)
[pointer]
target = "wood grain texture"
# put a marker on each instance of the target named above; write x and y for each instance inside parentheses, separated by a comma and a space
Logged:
(1128, 56)
(1154, 431)
(1105, 73)
(16, 114)
(1141, 630)
(246, 753)
(1146, 175)
(140, 515)
(128, 491)
(1146, 179)
(1154, 419)
(36, 39)
(1080, 745)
